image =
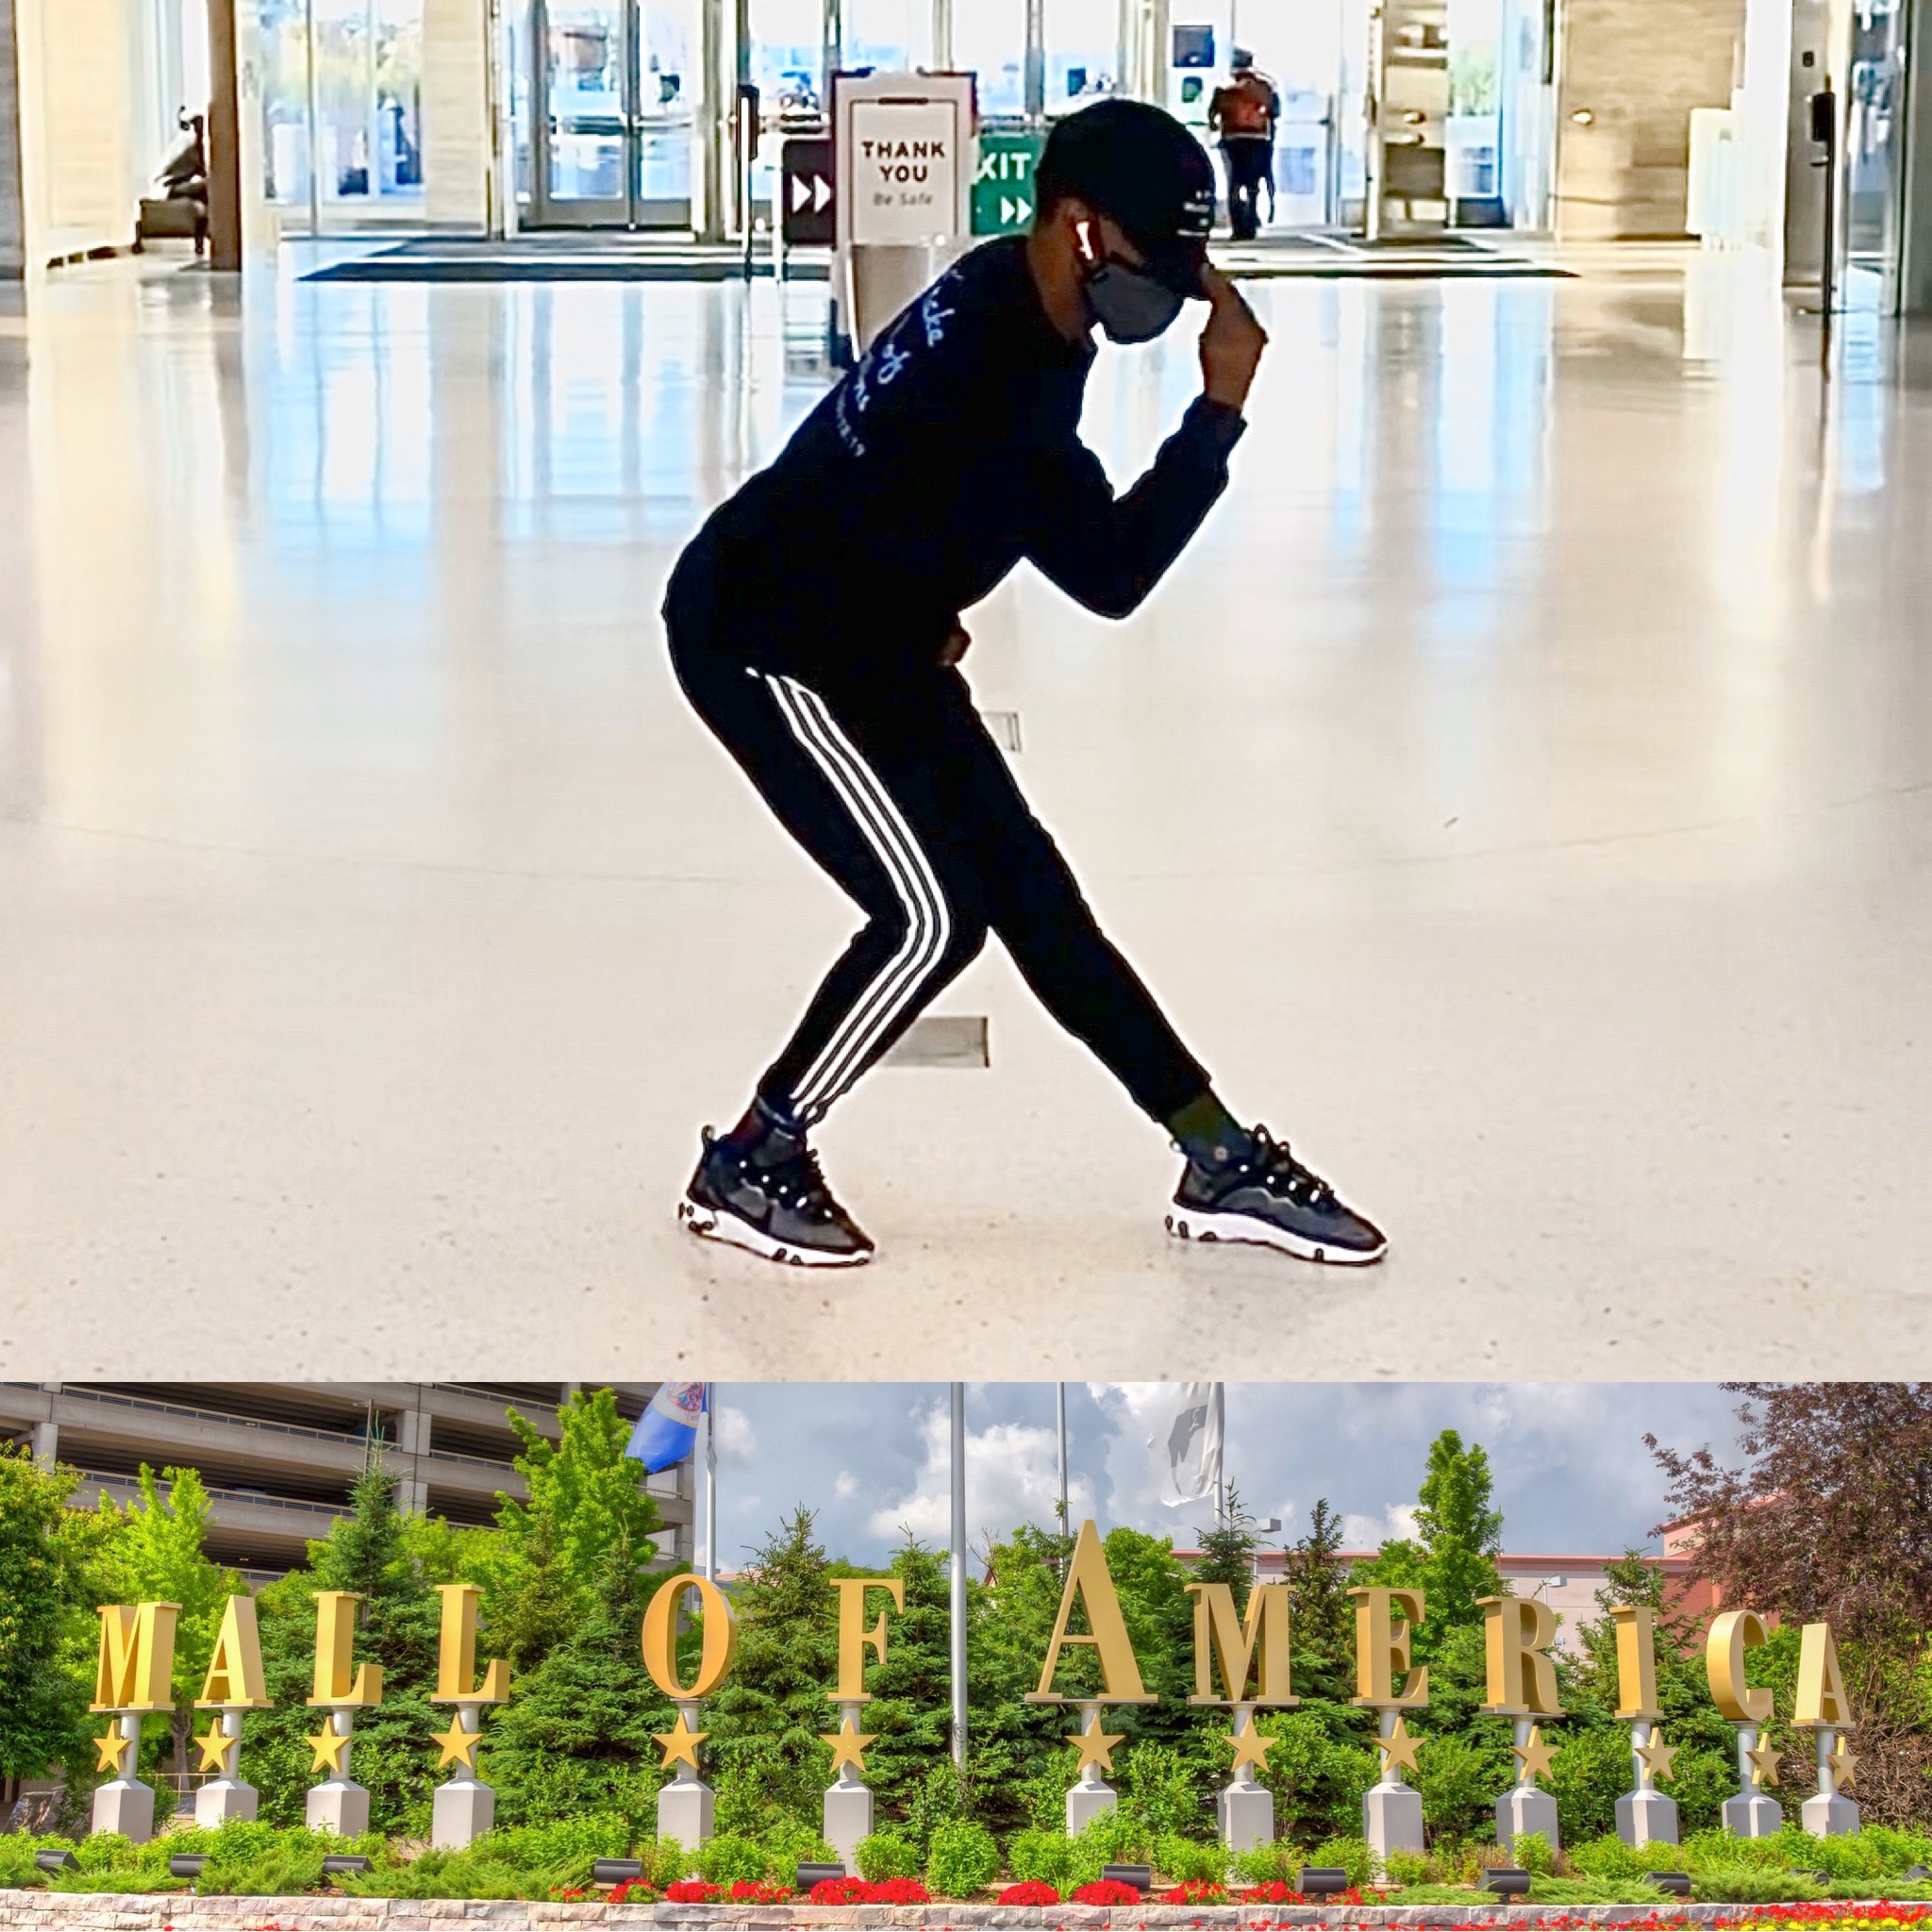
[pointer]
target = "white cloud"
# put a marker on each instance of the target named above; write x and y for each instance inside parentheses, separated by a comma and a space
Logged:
(737, 1441)
(846, 1484)
(1012, 1477)
(1396, 1523)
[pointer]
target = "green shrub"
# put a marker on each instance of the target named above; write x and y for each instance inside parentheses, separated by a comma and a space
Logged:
(787, 1843)
(1187, 1861)
(1753, 1885)
(1352, 1854)
(886, 1855)
(1431, 1895)
(1718, 1848)
(1593, 1891)
(727, 1859)
(1610, 1859)
(1115, 1838)
(665, 1861)
(17, 1868)
(962, 1859)
(1533, 1853)
(1280, 1863)
(1044, 1856)
(1409, 1867)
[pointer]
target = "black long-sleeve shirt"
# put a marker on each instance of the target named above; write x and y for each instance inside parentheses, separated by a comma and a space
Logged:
(947, 455)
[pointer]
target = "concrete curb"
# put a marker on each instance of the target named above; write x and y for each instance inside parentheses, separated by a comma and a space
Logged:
(42, 1911)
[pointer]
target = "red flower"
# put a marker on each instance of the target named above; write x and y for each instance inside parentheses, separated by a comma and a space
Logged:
(1196, 1891)
(1107, 1892)
(758, 1892)
(1030, 1891)
(900, 1891)
(693, 1892)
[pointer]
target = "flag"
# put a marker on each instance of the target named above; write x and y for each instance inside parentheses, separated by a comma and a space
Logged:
(667, 1431)
(1191, 1451)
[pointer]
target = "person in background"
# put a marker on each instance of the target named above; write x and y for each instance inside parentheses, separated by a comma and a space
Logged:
(1243, 114)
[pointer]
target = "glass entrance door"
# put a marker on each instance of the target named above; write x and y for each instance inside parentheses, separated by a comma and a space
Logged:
(613, 106)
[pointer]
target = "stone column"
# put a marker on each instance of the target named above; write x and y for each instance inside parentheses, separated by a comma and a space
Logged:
(1829, 1813)
(465, 1806)
(1750, 1813)
(1245, 1806)
(227, 1796)
(412, 1444)
(1092, 1797)
(1391, 1810)
(685, 1805)
(339, 1803)
(848, 1800)
(223, 137)
(1646, 1816)
(124, 1804)
(1525, 1807)
(13, 255)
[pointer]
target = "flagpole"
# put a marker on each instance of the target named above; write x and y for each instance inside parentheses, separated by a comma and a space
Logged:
(958, 1601)
(1220, 1413)
(1061, 1404)
(711, 1482)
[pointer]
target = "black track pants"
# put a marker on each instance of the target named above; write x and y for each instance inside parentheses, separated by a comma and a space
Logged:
(906, 802)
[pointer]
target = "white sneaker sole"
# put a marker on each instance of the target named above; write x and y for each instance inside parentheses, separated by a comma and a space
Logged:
(1244, 1230)
(709, 1225)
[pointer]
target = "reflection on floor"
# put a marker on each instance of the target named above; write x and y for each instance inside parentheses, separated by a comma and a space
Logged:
(1522, 794)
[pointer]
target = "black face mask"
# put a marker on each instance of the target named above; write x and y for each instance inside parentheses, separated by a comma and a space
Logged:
(1127, 302)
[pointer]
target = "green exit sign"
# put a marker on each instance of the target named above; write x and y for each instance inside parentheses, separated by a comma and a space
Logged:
(1003, 200)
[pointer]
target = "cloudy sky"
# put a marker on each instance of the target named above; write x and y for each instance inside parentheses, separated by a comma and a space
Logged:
(1572, 1475)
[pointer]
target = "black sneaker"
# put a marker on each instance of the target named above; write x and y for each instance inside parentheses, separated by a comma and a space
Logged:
(1265, 1195)
(773, 1201)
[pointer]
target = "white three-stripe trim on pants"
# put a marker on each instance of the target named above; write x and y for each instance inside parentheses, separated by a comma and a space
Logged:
(928, 919)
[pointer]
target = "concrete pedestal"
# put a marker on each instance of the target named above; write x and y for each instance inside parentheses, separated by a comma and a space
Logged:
(338, 1805)
(1247, 1816)
(683, 1811)
(1828, 1816)
(1392, 1819)
(223, 1799)
(1755, 1816)
(848, 1819)
(1526, 1809)
(126, 1805)
(465, 1809)
(1647, 1818)
(1085, 1801)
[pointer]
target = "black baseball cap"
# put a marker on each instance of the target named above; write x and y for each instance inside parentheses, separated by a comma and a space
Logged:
(1136, 163)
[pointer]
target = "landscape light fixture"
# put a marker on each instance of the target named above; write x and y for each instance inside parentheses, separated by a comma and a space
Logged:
(1918, 1874)
(809, 1875)
(1139, 1876)
(187, 1864)
(1677, 1882)
(1506, 1881)
(1322, 1881)
(337, 1862)
(56, 1861)
(617, 1871)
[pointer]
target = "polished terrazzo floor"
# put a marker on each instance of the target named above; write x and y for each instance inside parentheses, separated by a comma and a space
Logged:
(1522, 794)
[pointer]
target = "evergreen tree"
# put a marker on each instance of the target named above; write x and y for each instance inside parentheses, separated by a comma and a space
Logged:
(154, 1552)
(1228, 1551)
(1320, 1613)
(395, 1755)
(911, 1712)
(1461, 1532)
(46, 1623)
(576, 1737)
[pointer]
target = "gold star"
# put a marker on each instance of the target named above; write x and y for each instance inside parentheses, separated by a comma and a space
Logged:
(1398, 1750)
(680, 1744)
(1251, 1747)
(1764, 1762)
(1845, 1765)
(328, 1745)
(1534, 1756)
(216, 1745)
(1096, 1746)
(459, 1746)
(113, 1748)
(1657, 1756)
(848, 1744)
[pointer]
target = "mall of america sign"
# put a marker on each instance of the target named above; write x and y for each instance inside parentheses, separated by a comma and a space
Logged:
(1242, 1664)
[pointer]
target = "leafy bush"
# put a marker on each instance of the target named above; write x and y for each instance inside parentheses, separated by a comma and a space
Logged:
(1431, 1895)
(1609, 1857)
(962, 1859)
(1040, 1858)
(886, 1855)
(727, 1857)
(1280, 1863)
(1188, 1862)
(1407, 1867)
(1352, 1854)
(1115, 1838)
(787, 1843)
(1164, 1788)
(1534, 1854)
(1593, 1891)
(1753, 1885)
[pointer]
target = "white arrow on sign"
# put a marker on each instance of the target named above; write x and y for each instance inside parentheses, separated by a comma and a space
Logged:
(1014, 213)
(818, 192)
